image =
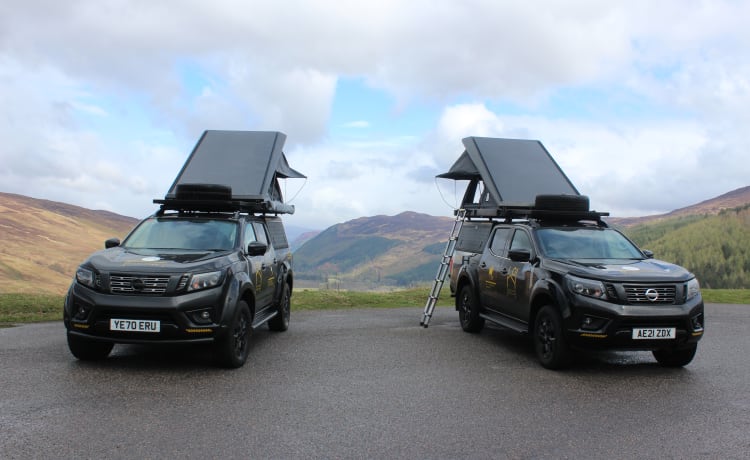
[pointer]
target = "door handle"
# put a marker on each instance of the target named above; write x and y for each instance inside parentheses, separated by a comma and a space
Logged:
(483, 265)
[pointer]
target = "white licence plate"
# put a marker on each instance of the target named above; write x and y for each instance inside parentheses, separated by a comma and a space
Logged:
(654, 333)
(134, 325)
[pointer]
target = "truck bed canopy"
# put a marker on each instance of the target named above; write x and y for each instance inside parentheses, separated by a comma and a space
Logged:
(233, 171)
(514, 173)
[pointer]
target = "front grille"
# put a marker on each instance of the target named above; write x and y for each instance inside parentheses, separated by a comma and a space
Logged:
(138, 284)
(183, 282)
(649, 294)
(611, 291)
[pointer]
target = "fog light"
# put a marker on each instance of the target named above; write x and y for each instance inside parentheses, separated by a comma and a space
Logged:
(592, 323)
(697, 322)
(82, 313)
(202, 316)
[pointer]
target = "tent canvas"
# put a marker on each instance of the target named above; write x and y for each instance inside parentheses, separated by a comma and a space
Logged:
(514, 171)
(248, 162)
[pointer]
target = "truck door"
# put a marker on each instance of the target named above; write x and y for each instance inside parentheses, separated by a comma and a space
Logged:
(262, 274)
(490, 265)
(515, 277)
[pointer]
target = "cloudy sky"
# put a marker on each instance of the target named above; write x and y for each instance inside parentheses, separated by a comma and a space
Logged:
(645, 105)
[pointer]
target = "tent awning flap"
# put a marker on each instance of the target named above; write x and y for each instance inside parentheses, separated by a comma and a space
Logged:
(462, 169)
(284, 171)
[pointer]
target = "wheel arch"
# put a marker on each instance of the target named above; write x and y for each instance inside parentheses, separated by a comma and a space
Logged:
(464, 279)
(288, 277)
(248, 295)
(540, 301)
(546, 292)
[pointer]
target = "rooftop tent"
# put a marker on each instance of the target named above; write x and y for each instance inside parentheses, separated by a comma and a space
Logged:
(243, 165)
(514, 171)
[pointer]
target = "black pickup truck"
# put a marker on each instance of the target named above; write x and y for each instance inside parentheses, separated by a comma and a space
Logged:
(183, 279)
(570, 281)
(209, 266)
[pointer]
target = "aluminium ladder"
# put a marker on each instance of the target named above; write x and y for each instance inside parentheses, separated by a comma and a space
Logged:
(442, 272)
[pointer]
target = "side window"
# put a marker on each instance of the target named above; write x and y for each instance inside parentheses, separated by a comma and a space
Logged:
(249, 236)
(260, 232)
(520, 241)
(497, 246)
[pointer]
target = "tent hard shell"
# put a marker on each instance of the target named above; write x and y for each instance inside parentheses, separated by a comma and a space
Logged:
(233, 171)
(507, 173)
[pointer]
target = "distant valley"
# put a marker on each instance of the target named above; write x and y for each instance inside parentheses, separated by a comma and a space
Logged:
(42, 242)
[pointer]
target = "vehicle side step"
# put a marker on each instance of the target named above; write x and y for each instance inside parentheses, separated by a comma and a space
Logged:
(506, 322)
(262, 317)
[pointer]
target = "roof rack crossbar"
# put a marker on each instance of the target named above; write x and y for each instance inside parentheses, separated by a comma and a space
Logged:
(523, 212)
(256, 206)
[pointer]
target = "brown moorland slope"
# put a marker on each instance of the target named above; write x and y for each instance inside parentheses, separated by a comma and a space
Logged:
(42, 242)
(730, 200)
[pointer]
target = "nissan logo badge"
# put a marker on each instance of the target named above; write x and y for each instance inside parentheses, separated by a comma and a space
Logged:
(138, 285)
(652, 295)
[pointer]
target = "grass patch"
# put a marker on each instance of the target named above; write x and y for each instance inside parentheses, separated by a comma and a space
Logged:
(29, 308)
(735, 296)
(309, 299)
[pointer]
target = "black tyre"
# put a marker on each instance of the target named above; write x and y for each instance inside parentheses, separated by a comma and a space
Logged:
(280, 322)
(675, 357)
(88, 350)
(232, 350)
(468, 310)
(549, 342)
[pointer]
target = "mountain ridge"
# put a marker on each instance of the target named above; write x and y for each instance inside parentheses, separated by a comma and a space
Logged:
(712, 206)
(43, 241)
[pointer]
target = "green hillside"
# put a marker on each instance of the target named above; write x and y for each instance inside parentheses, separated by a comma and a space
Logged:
(374, 252)
(42, 242)
(714, 247)
(332, 252)
(381, 251)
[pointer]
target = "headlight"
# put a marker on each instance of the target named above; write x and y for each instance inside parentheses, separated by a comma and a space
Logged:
(85, 277)
(693, 288)
(204, 281)
(589, 288)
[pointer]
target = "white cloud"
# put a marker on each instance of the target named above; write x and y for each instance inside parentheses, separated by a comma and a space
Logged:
(108, 118)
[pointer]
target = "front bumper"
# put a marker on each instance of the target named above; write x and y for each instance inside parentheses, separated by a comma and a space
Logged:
(618, 321)
(87, 314)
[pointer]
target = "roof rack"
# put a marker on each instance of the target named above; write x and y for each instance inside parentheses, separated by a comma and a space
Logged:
(511, 212)
(546, 207)
(218, 198)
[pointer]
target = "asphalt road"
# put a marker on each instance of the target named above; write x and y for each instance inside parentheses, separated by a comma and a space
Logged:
(373, 384)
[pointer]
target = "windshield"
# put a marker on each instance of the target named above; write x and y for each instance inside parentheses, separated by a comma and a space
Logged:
(193, 234)
(586, 243)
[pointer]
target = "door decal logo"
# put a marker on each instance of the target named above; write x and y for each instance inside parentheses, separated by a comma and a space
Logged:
(511, 282)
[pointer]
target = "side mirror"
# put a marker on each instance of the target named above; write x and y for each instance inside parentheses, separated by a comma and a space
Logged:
(648, 254)
(519, 255)
(111, 243)
(256, 248)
